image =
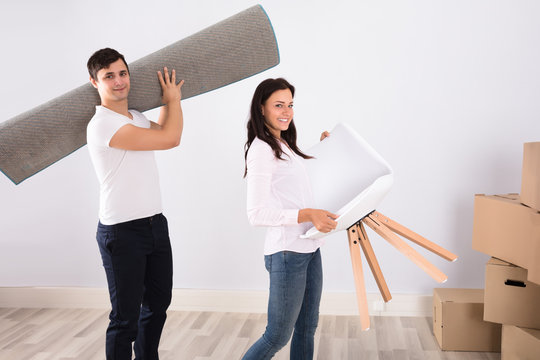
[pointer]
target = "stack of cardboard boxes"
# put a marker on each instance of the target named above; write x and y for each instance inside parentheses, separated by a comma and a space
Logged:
(507, 227)
(505, 316)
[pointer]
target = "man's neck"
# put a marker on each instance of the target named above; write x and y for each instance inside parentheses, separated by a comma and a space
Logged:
(120, 107)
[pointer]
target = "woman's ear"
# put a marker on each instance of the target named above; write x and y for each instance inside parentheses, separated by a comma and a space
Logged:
(262, 110)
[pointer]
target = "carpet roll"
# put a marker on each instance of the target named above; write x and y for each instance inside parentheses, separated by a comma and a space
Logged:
(231, 50)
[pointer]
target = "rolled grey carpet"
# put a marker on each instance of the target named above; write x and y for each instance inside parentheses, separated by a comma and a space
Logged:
(231, 50)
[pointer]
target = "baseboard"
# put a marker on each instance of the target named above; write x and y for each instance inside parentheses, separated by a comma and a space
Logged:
(212, 300)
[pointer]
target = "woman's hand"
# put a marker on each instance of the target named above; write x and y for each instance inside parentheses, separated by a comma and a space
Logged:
(324, 135)
(323, 220)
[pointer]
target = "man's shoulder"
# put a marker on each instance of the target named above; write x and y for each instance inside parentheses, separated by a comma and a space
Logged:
(102, 113)
(139, 119)
(137, 112)
(104, 124)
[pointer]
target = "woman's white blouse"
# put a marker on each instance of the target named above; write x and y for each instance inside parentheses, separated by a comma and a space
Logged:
(276, 191)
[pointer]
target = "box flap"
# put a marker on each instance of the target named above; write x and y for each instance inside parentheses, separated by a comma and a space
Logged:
(520, 343)
(460, 295)
(496, 261)
(535, 333)
(512, 196)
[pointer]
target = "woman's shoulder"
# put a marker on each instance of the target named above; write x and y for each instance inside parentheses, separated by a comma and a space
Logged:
(261, 145)
(260, 148)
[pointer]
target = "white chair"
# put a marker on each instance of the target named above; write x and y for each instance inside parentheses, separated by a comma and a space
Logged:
(350, 179)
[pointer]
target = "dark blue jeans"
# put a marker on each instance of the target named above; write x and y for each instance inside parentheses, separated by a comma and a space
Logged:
(137, 258)
(293, 305)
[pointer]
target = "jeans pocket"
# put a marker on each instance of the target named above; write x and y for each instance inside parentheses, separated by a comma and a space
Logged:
(106, 236)
(268, 262)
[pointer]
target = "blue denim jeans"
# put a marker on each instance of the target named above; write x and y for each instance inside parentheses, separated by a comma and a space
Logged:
(293, 305)
(137, 258)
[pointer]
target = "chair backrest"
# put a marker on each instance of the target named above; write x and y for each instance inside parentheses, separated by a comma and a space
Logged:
(348, 177)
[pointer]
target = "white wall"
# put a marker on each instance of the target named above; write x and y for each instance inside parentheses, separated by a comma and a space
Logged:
(446, 91)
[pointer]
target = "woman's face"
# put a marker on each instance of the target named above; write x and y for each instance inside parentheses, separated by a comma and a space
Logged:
(278, 111)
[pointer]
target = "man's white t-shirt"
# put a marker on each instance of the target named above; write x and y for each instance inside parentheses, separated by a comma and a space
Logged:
(129, 180)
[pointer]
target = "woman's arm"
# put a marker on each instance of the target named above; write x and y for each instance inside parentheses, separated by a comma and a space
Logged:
(322, 220)
(260, 165)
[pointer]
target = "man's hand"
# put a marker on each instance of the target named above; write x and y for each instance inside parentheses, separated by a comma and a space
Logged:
(171, 91)
(322, 220)
(164, 135)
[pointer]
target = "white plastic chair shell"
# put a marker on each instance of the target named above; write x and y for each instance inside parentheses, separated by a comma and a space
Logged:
(348, 177)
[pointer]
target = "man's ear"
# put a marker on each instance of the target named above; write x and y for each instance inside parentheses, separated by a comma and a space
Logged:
(93, 82)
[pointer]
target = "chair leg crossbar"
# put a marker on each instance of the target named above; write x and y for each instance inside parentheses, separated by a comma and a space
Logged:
(387, 229)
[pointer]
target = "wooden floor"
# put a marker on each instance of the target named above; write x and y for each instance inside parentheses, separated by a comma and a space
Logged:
(69, 334)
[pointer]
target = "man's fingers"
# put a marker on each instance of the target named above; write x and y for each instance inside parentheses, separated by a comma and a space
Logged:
(160, 78)
(167, 78)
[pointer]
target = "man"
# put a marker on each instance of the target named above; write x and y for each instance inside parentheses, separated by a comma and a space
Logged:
(132, 233)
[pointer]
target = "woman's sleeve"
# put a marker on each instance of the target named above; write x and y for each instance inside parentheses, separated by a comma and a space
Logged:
(260, 211)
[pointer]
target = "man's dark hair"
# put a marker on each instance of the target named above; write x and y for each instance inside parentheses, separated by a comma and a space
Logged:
(102, 59)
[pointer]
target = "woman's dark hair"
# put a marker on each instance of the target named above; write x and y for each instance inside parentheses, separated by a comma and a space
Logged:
(256, 125)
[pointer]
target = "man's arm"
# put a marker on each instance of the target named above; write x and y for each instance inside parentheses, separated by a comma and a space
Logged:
(169, 131)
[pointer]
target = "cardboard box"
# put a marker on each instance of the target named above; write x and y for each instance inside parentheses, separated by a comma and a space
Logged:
(530, 175)
(508, 230)
(508, 297)
(520, 343)
(458, 321)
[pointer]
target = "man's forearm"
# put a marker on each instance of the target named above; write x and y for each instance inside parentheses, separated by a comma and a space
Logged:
(171, 120)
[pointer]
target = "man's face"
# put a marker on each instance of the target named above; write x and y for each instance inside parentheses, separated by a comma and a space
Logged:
(112, 83)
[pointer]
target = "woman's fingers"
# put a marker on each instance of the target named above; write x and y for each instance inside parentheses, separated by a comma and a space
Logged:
(332, 216)
(324, 135)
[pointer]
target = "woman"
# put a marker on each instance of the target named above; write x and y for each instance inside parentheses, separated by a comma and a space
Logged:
(279, 196)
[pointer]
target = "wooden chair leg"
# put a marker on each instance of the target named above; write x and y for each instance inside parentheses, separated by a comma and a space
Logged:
(414, 237)
(405, 249)
(361, 297)
(373, 263)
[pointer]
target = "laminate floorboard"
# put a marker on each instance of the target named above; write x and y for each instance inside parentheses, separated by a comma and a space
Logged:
(79, 334)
